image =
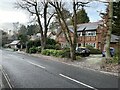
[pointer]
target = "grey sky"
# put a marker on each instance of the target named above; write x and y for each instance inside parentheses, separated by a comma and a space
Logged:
(8, 14)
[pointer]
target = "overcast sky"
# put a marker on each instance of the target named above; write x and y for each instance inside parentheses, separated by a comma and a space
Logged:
(8, 14)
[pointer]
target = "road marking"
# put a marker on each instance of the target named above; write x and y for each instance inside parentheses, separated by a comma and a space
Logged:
(36, 65)
(78, 82)
(7, 79)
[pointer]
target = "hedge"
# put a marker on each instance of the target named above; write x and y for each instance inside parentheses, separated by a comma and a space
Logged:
(56, 53)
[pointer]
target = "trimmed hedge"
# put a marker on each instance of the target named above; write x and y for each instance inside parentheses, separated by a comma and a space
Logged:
(56, 53)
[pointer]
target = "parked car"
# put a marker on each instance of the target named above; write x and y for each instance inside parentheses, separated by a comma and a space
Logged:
(82, 51)
(112, 52)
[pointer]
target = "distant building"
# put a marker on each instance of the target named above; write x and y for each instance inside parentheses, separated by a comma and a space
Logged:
(38, 36)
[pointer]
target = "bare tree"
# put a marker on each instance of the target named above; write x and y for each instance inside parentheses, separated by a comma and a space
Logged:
(72, 41)
(40, 10)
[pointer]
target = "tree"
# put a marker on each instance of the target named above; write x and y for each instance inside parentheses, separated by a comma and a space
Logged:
(22, 35)
(40, 10)
(107, 18)
(22, 30)
(63, 23)
(3, 38)
(32, 29)
(55, 24)
(82, 16)
(116, 18)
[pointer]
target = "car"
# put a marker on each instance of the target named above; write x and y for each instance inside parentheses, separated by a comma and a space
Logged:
(112, 52)
(83, 51)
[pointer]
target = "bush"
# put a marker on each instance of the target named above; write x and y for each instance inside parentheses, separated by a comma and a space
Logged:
(56, 53)
(66, 53)
(116, 57)
(57, 47)
(50, 41)
(50, 47)
(33, 50)
(35, 43)
(93, 50)
(39, 49)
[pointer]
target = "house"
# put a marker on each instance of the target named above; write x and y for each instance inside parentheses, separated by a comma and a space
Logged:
(37, 36)
(15, 44)
(88, 34)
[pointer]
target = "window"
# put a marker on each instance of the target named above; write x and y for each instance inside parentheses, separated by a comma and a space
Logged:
(91, 33)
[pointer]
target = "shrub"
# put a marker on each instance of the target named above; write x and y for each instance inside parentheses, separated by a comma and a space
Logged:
(39, 49)
(56, 53)
(66, 53)
(93, 50)
(35, 43)
(50, 47)
(33, 50)
(116, 57)
(90, 47)
(50, 41)
(57, 47)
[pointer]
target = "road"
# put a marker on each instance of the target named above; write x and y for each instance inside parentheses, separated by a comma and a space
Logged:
(25, 71)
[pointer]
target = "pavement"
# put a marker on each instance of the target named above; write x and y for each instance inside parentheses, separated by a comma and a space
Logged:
(26, 71)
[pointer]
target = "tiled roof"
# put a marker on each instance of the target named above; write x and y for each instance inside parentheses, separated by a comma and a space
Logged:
(86, 26)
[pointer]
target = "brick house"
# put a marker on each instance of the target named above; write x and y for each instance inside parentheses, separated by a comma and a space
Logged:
(88, 34)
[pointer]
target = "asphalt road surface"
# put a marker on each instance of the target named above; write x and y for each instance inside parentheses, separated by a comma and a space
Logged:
(24, 71)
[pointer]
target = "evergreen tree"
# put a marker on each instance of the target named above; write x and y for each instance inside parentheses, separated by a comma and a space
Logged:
(116, 18)
(82, 17)
(32, 29)
(22, 30)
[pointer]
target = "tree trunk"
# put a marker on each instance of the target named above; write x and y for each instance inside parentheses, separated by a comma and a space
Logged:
(42, 43)
(72, 53)
(109, 24)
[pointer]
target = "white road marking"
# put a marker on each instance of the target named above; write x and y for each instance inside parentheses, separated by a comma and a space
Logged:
(36, 65)
(78, 82)
(7, 79)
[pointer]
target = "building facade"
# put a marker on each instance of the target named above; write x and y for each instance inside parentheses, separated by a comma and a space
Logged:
(88, 34)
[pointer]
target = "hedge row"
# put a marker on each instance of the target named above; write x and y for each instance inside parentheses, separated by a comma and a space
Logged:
(56, 53)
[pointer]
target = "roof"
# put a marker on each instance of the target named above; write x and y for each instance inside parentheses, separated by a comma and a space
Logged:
(80, 27)
(86, 26)
(15, 42)
(114, 38)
